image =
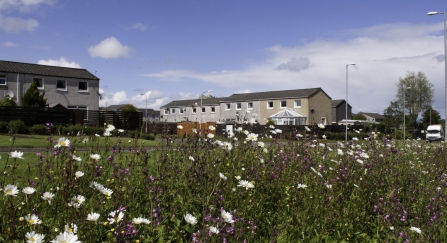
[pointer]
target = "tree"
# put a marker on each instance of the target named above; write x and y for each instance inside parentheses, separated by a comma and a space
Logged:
(208, 96)
(32, 97)
(393, 115)
(359, 116)
(435, 117)
(129, 108)
(8, 101)
(418, 92)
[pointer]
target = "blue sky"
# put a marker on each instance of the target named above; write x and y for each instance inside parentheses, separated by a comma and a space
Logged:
(175, 49)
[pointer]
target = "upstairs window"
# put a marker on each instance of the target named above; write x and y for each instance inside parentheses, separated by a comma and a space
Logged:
(2, 79)
(238, 106)
(227, 106)
(297, 103)
(39, 82)
(270, 105)
(61, 85)
(283, 103)
(193, 110)
(213, 109)
(250, 105)
(83, 86)
(181, 111)
(173, 111)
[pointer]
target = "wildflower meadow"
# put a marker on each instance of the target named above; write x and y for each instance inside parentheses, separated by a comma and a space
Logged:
(246, 188)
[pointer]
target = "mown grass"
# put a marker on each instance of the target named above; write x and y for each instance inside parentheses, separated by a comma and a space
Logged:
(307, 190)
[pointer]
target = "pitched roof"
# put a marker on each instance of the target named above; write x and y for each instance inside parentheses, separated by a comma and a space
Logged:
(373, 115)
(196, 102)
(270, 95)
(45, 70)
(287, 113)
(115, 107)
(336, 103)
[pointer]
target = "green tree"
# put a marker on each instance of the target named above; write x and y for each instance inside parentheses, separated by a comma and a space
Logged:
(207, 96)
(393, 115)
(430, 115)
(32, 97)
(129, 108)
(359, 116)
(418, 93)
(8, 101)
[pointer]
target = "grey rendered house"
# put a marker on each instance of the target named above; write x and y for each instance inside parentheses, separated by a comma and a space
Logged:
(373, 117)
(339, 111)
(72, 88)
(190, 110)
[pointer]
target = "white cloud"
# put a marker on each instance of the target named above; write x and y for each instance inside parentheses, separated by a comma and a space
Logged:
(383, 53)
(109, 48)
(62, 62)
(13, 25)
(244, 91)
(138, 26)
(24, 5)
(155, 99)
(8, 44)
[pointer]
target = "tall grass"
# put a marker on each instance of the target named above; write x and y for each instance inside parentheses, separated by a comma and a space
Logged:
(374, 190)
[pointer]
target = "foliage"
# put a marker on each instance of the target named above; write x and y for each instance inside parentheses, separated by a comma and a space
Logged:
(17, 126)
(129, 108)
(373, 189)
(359, 116)
(393, 115)
(430, 115)
(39, 129)
(33, 98)
(207, 96)
(8, 101)
(270, 122)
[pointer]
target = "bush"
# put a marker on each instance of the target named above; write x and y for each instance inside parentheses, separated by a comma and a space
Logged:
(3, 127)
(18, 126)
(39, 129)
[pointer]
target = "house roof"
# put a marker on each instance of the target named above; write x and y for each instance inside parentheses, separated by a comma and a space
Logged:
(271, 95)
(337, 103)
(373, 115)
(45, 70)
(182, 103)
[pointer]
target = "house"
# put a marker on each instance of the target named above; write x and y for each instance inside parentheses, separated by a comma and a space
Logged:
(197, 110)
(72, 88)
(152, 114)
(339, 111)
(372, 117)
(285, 107)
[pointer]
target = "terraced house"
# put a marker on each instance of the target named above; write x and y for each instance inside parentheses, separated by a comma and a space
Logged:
(285, 107)
(72, 88)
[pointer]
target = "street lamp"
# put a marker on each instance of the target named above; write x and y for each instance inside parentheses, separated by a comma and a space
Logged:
(445, 67)
(346, 118)
(146, 110)
(404, 91)
(201, 109)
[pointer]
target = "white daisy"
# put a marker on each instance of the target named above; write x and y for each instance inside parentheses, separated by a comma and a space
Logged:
(190, 219)
(76, 201)
(33, 237)
(95, 156)
(106, 191)
(16, 155)
(212, 128)
(93, 216)
(210, 135)
(66, 237)
(246, 184)
(252, 137)
(415, 229)
(47, 196)
(180, 127)
(191, 158)
(301, 186)
(28, 190)
(62, 142)
(11, 190)
(115, 216)
(79, 174)
(140, 221)
(222, 176)
(214, 230)
(32, 219)
(71, 228)
(227, 217)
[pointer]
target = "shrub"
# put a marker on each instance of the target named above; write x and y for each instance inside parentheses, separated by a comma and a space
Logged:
(3, 127)
(18, 126)
(39, 129)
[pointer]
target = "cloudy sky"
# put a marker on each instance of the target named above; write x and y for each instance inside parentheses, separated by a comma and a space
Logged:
(176, 49)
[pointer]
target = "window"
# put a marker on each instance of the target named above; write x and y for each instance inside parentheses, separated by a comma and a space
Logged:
(173, 111)
(283, 103)
(270, 105)
(61, 85)
(249, 105)
(80, 107)
(83, 86)
(213, 109)
(203, 109)
(227, 106)
(181, 111)
(166, 111)
(2, 79)
(39, 82)
(193, 110)
(238, 106)
(297, 103)
(323, 120)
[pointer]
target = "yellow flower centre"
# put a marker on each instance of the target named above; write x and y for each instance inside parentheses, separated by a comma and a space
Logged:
(63, 143)
(70, 230)
(32, 239)
(31, 221)
(79, 200)
(8, 192)
(64, 242)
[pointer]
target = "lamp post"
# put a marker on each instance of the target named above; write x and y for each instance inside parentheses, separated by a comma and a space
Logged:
(404, 91)
(146, 110)
(201, 109)
(346, 118)
(445, 66)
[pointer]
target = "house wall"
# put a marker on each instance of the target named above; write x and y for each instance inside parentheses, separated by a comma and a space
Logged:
(339, 113)
(266, 112)
(70, 97)
(244, 112)
(188, 115)
(321, 104)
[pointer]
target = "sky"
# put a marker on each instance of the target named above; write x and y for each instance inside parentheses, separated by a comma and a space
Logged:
(151, 51)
